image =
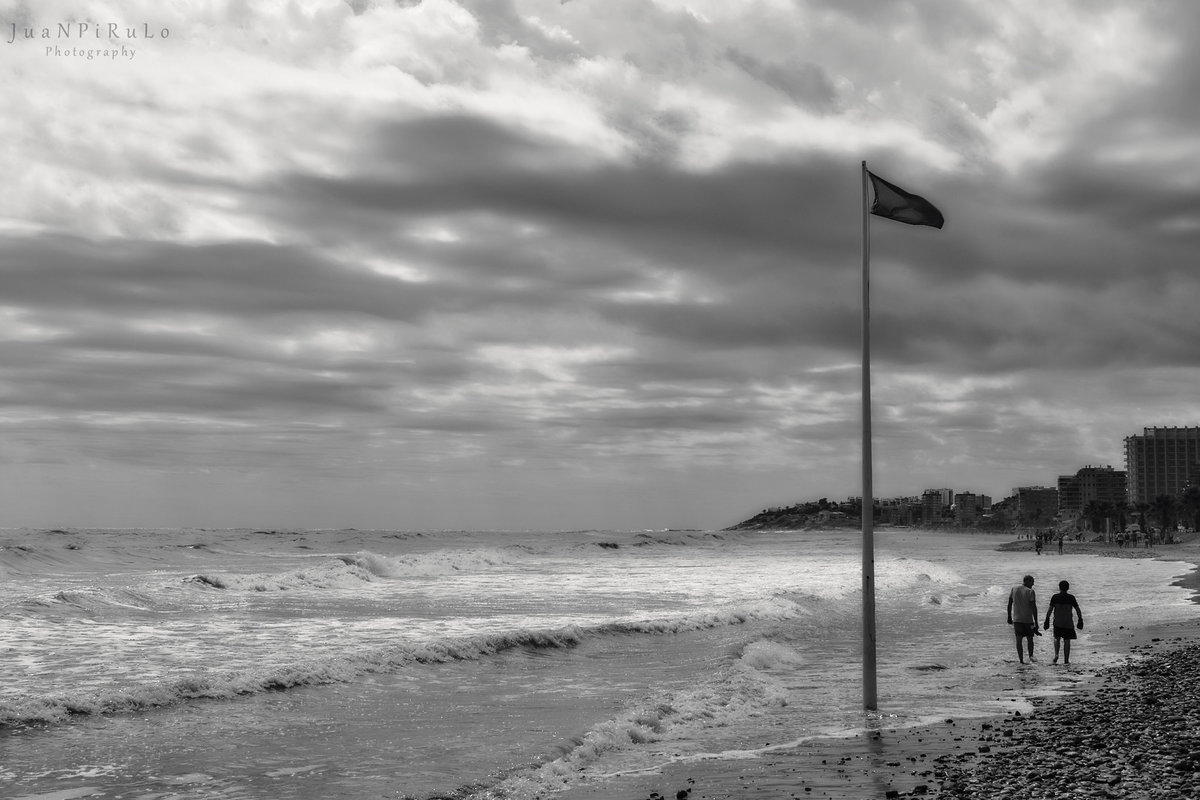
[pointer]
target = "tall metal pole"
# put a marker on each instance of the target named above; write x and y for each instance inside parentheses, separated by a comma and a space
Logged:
(870, 699)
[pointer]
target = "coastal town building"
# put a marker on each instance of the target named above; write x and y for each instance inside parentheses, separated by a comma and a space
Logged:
(932, 505)
(1036, 505)
(1090, 484)
(900, 510)
(982, 501)
(1162, 461)
(966, 509)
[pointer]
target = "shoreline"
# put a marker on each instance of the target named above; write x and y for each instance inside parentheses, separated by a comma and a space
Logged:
(1187, 550)
(1121, 732)
(1125, 731)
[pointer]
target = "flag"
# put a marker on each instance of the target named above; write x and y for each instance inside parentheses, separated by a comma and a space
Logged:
(894, 203)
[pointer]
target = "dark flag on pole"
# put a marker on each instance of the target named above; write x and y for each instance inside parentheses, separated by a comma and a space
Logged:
(891, 202)
(894, 203)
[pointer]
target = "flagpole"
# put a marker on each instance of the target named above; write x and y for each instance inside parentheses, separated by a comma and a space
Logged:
(870, 700)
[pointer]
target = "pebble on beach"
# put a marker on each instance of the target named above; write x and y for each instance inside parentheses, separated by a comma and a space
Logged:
(1134, 735)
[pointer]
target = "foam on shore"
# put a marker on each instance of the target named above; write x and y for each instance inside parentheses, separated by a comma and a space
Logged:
(1152, 700)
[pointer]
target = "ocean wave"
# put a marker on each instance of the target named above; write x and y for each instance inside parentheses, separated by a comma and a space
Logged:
(348, 571)
(681, 538)
(767, 655)
(26, 559)
(743, 690)
(98, 600)
(439, 562)
(222, 685)
(334, 574)
(771, 608)
(203, 684)
(90, 603)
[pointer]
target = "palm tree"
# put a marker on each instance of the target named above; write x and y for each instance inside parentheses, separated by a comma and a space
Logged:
(1141, 507)
(1191, 504)
(1107, 511)
(1091, 512)
(1165, 506)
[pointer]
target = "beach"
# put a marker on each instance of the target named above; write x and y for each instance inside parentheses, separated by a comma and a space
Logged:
(1131, 730)
(192, 664)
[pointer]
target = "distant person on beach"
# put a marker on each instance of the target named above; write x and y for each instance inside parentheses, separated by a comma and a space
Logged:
(1060, 610)
(1061, 536)
(1023, 616)
(1037, 545)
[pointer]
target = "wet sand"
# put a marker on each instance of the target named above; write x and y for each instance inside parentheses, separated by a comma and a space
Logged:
(1017, 756)
(1056, 749)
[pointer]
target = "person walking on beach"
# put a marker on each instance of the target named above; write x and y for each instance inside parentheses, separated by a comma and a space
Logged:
(1060, 610)
(1023, 616)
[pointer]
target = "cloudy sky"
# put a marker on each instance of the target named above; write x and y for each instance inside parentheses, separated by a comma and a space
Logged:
(585, 264)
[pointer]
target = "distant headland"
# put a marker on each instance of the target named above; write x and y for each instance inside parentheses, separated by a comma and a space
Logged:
(816, 514)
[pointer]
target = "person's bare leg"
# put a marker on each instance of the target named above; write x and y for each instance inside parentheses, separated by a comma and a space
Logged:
(1056, 641)
(1066, 651)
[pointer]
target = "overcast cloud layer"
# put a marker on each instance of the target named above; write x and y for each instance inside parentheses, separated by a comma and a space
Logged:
(543, 264)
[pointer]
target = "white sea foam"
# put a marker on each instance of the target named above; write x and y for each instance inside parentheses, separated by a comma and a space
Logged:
(766, 655)
(741, 692)
(225, 684)
(64, 794)
(349, 571)
(218, 684)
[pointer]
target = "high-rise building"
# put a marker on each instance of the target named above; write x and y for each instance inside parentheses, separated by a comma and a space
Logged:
(1091, 484)
(1162, 461)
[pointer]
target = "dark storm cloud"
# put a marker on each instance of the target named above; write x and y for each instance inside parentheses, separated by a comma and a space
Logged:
(693, 417)
(751, 206)
(225, 329)
(665, 363)
(806, 84)
(1169, 103)
(791, 316)
(1139, 198)
(834, 433)
(778, 244)
(237, 278)
(86, 380)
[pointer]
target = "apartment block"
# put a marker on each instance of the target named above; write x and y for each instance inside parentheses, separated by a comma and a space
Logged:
(966, 509)
(1036, 505)
(1162, 461)
(1091, 484)
(932, 505)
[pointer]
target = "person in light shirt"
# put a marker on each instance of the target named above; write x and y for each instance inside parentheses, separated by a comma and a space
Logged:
(1023, 616)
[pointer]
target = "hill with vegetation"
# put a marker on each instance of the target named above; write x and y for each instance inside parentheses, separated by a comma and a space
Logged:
(815, 514)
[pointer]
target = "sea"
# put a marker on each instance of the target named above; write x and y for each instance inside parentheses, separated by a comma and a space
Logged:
(503, 665)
